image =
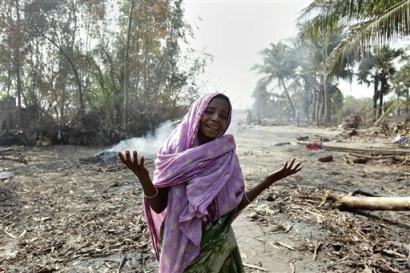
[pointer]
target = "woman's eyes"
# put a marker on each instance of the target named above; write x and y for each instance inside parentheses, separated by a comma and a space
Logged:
(212, 111)
(209, 111)
(224, 117)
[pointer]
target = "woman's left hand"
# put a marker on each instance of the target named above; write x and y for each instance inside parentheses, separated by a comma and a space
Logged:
(287, 169)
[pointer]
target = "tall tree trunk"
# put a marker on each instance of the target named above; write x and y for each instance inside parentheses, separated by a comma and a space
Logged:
(314, 106)
(18, 65)
(383, 91)
(326, 101)
(375, 97)
(127, 48)
(292, 108)
(407, 102)
(321, 105)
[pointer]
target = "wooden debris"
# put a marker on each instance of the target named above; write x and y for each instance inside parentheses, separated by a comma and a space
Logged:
(317, 247)
(326, 158)
(6, 175)
(282, 143)
(369, 150)
(255, 267)
(283, 244)
(302, 138)
(292, 267)
(19, 159)
(370, 203)
(122, 263)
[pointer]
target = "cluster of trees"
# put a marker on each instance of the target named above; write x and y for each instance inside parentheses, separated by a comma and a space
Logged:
(119, 60)
(337, 40)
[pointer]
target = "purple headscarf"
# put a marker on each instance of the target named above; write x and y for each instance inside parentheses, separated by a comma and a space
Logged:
(198, 177)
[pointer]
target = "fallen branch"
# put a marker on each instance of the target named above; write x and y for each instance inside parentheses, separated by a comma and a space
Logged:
(122, 263)
(370, 149)
(20, 159)
(317, 247)
(369, 203)
(255, 267)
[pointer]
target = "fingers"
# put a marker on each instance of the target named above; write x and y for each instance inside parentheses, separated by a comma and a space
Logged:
(291, 163)
(291, 168)
(130, 159)
(298, 166)
(121, 157)
(128, 156)
(135, 159)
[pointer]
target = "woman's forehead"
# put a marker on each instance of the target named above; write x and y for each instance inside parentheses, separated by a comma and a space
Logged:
(220, 104)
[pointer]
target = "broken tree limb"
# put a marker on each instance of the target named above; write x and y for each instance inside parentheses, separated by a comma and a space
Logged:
(20, 159)
(369, 149)
(10, 150)
(369, 203)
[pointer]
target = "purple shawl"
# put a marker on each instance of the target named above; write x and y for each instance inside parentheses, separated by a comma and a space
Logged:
(198, 177)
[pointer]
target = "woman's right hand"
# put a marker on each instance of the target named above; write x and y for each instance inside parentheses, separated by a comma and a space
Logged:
(136, 167)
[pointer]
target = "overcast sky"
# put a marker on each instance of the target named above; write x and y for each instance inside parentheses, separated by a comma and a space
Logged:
(234, 31)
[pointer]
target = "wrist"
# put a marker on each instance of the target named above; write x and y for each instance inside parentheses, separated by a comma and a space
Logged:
(273, 178)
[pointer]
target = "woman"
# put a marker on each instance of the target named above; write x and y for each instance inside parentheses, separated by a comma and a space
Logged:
(197, 191)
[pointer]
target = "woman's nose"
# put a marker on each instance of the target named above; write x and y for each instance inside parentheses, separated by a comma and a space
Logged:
(216, 116)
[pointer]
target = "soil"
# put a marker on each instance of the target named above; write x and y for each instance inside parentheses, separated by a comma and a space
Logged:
(60, 214)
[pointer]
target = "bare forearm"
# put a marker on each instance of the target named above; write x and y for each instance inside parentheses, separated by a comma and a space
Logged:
(156, 198)
(286, 170)
(256, 191)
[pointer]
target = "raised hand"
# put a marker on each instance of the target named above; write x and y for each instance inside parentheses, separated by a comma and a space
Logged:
(287, 169)
(132, 163)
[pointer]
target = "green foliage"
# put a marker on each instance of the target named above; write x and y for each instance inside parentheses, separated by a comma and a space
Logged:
(359, 106)
(73, 60)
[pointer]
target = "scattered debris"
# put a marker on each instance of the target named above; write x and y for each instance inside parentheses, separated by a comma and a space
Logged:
(313, 146)
(282, 143)
(369, 203)
(302, 138)
(359, 241)
(353, 133)
(6, 175)
(351, 122)
(401, 140)
(326, 158)
(353, 149)
(255, 267)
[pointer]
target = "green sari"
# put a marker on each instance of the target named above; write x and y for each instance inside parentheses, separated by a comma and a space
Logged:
(219, 251)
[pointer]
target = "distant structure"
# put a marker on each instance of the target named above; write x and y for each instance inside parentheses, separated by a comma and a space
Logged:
(8, 113)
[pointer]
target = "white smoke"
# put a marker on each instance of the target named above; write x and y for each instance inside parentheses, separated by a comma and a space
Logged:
(149, 144)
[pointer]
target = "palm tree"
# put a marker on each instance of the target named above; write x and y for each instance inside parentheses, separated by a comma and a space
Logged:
(277, 65)
(402, 81)
(364, 22)
(315, 53)
(378, 69)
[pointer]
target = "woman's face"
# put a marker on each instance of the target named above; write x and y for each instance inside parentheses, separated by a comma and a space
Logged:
(214, 121)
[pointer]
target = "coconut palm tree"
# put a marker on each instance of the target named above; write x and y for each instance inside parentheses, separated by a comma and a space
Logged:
(402, 81)
(311, 61)
(277, 65)
(377, 68)
(364, 23)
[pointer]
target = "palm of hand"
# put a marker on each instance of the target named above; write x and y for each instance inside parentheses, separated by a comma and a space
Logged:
(133, 164)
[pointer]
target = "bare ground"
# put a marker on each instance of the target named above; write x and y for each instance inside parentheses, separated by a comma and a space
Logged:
(61, 215)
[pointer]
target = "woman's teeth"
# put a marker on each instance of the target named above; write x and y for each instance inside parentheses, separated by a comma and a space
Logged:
(213, 127)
